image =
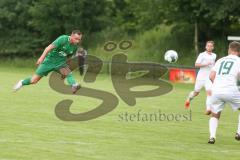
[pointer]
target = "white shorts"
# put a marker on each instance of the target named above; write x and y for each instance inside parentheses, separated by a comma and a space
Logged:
(218, 101)
(207, 84)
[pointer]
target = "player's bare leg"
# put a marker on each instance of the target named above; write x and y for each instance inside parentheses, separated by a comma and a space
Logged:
(208, 103)
(190, 97)
(213, 124)
(32, 80)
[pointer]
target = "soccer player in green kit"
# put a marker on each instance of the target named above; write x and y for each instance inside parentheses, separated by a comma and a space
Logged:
(54, 58)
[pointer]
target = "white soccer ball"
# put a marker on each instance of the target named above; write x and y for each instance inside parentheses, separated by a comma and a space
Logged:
(171, 56)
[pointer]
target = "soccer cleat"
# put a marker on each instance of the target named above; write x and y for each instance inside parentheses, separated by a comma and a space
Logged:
(237, 137)
(188, 100)
(211, 140)
(75, 88)
(18, 85)
(187, 103)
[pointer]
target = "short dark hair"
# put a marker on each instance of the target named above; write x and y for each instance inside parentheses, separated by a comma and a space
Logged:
(77, 32)
(210, 42)
(234, 46)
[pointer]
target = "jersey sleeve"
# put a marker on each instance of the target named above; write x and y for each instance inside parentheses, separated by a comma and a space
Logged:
(199, 59)
(59, 41)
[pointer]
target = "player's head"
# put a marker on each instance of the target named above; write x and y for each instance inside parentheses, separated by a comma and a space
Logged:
(234, 48)
(209, 46)
(76, 37)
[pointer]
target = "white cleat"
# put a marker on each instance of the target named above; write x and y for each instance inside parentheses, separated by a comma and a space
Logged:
(18, 86)
(75, 87)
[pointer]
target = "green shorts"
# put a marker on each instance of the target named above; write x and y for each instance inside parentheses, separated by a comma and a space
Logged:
(47, 67)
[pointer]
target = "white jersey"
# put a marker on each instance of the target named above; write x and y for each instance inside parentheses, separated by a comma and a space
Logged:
(227, 73)
(205, 58)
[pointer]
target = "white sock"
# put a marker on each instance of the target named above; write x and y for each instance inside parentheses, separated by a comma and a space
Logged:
(238, 131)
(191, 95)
(213, 124)
(208, 103)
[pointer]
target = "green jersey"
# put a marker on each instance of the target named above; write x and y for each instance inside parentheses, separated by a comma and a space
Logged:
(63, 49)
(57, 57)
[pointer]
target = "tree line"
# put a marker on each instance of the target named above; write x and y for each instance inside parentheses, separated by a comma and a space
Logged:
(27, 26)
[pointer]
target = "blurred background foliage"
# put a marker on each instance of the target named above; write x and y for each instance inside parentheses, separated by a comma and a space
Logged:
(154, 26)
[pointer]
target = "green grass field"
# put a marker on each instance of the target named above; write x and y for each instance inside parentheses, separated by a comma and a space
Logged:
(29, 129)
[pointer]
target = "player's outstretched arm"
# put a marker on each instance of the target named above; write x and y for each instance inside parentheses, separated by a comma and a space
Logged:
(44, 54)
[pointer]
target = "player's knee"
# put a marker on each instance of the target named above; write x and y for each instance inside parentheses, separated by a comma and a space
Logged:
(216, 115)
(34, 81)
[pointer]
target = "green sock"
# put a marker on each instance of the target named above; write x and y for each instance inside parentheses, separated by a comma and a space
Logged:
(70, 79)
(26, 81)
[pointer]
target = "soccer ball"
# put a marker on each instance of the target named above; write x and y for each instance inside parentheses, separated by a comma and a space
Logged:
(171, 56)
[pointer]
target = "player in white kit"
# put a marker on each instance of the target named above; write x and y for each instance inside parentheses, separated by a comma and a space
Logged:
(225, 75)
(205, 62)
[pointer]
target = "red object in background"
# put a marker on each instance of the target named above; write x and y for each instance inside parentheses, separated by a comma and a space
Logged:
(179, 75)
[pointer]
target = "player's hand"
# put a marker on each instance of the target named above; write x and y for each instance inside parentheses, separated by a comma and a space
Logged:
(209, 64)
(39, 61)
